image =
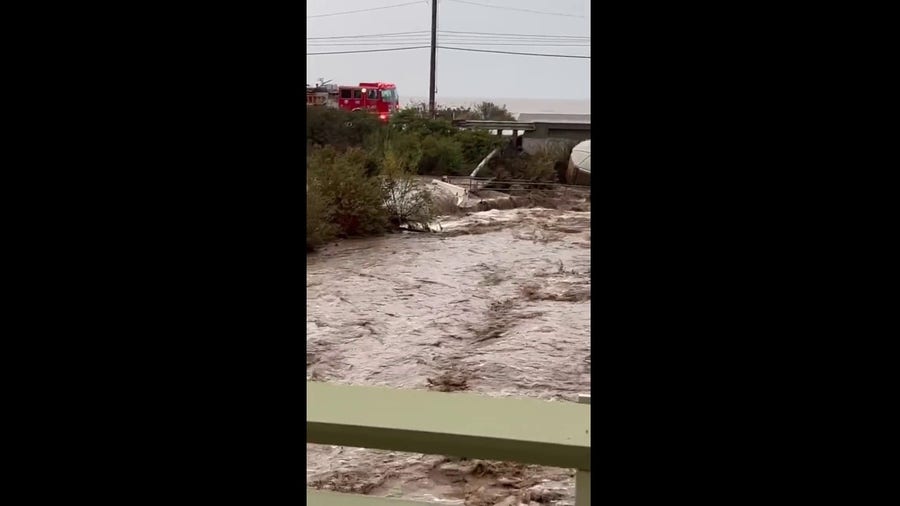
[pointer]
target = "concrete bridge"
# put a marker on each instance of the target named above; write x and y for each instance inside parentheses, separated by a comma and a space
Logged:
(538, 129)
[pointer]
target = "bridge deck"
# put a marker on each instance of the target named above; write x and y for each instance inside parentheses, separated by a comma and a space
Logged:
(537, 128)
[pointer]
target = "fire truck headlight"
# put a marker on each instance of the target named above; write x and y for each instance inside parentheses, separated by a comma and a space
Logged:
(383, 116)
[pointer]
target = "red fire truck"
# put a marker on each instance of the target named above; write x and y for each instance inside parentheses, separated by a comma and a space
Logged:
(376, 98)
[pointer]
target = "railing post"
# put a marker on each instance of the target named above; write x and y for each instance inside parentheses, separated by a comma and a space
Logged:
(583, 478)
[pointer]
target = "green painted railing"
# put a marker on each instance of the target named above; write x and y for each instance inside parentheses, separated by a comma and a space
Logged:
(528, 431)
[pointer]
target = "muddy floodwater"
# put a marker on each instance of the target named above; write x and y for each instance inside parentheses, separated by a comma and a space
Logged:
(497, 302)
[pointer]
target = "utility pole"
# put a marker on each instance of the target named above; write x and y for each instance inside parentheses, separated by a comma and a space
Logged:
(433, 56)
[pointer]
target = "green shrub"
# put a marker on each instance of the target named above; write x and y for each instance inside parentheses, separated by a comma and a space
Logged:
(475, 145)
(412, 121)
(491, 111)
(406, 145)
(353, 198)
(407, 201)
(441, 156)
(484, 110)
(327, 126)
(405, 118)
(546, 164)
(549, 162)
(319, 227)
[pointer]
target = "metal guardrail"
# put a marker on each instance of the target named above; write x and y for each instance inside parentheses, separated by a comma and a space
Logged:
(528, 431)
(517, 186)
(526, 126)
(583, 478)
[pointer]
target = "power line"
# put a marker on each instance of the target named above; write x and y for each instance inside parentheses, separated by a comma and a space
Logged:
(453, 49)
(510, 52)
(461, 42)
(479, 43)
(535, 35)
(511, 39)
(419, 36)
(413, 39)
(369, 35)
(446, 38)
(461, 39)
(454, 33)
(520, 10)
(370, 50)
(360, 10)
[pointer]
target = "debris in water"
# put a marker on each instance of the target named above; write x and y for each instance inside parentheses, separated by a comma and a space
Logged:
(448, 382)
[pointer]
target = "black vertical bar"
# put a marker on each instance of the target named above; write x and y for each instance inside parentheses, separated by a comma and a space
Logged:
(433, 56)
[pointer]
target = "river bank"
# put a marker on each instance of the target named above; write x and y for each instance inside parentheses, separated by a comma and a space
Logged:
(360, 173)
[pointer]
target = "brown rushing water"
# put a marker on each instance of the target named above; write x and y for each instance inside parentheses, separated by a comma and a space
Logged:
(497, 303)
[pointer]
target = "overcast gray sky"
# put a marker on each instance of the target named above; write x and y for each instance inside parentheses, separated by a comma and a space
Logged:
(564, 23)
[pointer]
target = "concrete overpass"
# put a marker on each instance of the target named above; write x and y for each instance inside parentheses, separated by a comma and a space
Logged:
(538, 129)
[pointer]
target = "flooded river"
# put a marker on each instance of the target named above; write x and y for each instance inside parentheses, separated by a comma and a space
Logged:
(496, 303)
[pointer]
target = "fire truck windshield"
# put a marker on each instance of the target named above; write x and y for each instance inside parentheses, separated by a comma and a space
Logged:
(388, 96)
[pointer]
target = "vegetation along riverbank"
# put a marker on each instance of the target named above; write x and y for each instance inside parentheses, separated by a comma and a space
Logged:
(363, 176)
